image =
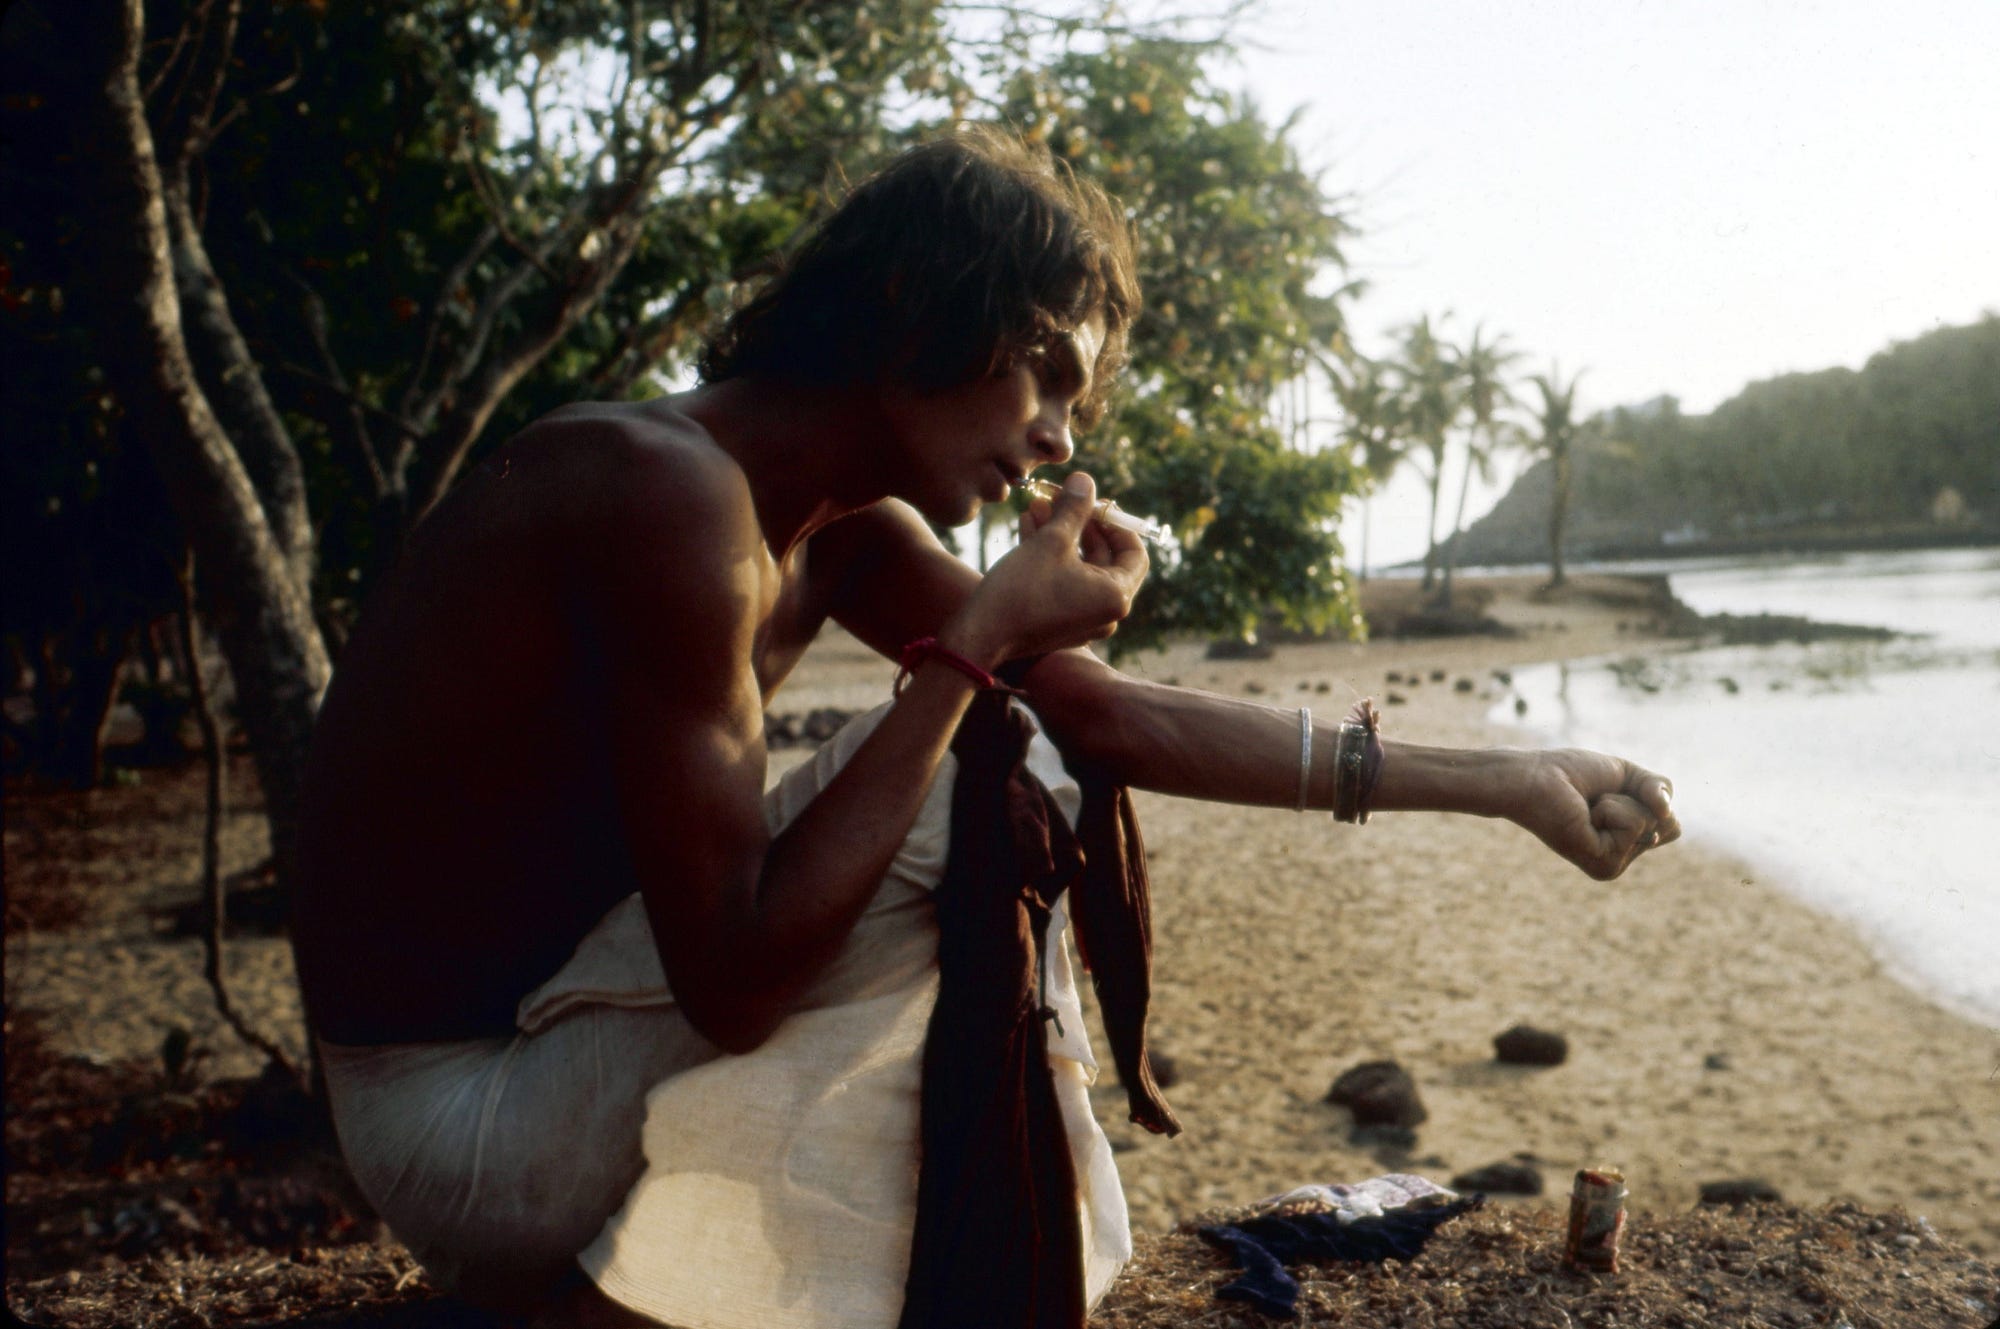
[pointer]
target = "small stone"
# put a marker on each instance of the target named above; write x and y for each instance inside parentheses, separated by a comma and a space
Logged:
(1393, 676)
(1715, 1061)
(1520, 705)
(1525, 1045)
(1166, 1071)
(1254, 688)
(1510, 1177)
(1463, 685)
(1235, 648)
(1437, 675)
(1740, 1190)
(1395, 699)
(1379, 1093)
(823, 722)
(1503, 676)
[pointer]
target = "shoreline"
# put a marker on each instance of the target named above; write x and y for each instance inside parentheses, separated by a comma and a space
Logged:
(1718, 1028)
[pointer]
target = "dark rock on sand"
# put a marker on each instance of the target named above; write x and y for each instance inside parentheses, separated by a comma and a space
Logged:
(1166, 1071)
(1514, 1176)
(1379, 1093)
(1525, 1045)
(1740, 1190)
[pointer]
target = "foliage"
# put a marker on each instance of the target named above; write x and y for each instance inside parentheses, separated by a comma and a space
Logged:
(432, 223)
(422, 275)
(1236, 240)
(1907, 447)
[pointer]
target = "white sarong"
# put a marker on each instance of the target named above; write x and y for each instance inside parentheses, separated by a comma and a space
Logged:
(775, 1190)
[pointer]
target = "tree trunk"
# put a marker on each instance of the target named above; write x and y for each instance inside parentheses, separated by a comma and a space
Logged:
(263, 620)
(1457, 526)
(234, 383)
(1430, 530)
(1558, 513)
(1367, 504)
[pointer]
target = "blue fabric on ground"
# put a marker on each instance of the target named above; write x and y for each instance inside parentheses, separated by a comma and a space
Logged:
(1263, 1247)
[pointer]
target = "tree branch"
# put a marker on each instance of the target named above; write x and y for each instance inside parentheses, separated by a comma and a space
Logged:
(396, 423)
(454, 280)
(215, 757)
(641, 347)
(447, 447)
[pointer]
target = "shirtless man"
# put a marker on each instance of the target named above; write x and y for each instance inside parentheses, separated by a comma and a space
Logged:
(557, 699)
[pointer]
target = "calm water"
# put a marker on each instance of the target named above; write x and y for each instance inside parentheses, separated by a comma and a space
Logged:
(1862, 777)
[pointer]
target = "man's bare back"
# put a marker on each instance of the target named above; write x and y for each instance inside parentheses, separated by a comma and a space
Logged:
(462, 829)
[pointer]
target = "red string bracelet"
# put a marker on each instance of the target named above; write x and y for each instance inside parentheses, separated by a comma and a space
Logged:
(930, 648)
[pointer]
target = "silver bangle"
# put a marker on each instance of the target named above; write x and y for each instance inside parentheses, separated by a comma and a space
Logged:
(1305, 753)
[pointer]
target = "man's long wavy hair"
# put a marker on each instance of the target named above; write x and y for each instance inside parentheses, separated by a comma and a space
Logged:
(956, 260)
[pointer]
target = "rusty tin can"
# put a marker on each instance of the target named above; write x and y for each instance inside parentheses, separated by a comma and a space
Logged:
(1596, 1220)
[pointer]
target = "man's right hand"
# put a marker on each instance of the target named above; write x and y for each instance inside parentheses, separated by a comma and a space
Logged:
(1071, 580)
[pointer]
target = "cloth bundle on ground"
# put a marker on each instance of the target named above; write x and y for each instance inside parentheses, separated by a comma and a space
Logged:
(1383, 1218)
(782, 1188)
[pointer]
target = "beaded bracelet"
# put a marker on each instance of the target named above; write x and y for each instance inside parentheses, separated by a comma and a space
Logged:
(1357, 763)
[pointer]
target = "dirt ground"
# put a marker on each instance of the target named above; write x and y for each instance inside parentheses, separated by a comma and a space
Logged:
(1717, 1031)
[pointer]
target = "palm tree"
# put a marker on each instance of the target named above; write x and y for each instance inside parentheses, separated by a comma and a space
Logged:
(1429, 403)
(1557, 422)
(1479, 368)
(1371, 425)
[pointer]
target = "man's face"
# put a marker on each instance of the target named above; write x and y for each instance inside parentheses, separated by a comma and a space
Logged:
(969, 444)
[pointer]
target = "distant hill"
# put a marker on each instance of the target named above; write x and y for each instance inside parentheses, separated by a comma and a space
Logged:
(1905, 452)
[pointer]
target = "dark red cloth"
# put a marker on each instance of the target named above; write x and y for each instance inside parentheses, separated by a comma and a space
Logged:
(998, 1238)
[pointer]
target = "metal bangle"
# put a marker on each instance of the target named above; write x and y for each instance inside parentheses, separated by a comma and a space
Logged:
(1305, 753)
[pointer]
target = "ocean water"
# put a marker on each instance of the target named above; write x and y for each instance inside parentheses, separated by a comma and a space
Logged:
(1861, 777)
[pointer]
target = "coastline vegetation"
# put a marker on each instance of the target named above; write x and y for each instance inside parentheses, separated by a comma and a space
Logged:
(1904, 452)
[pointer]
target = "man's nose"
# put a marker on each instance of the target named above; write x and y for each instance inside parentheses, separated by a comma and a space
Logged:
(1050, 437)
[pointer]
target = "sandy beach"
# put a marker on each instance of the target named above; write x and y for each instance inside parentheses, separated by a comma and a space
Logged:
(1716, 1029)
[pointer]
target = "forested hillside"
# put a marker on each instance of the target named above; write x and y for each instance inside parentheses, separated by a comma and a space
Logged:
(1906, 450)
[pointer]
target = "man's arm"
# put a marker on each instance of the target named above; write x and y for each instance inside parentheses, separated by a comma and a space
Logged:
(1598, 812)
(677, 584)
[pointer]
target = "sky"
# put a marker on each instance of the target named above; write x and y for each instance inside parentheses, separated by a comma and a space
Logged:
(1672, 197)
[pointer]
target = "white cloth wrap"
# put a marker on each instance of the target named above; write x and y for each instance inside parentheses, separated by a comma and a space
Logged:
(775, 1190)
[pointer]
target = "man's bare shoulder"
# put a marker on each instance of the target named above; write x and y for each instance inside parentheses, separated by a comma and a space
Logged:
(636, 461)
(659, 520)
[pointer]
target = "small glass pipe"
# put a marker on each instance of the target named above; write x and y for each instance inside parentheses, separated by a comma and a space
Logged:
(1107, 511)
